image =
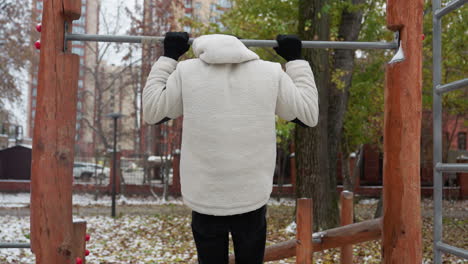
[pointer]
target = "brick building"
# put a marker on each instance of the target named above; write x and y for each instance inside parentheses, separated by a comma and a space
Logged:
(88, 23)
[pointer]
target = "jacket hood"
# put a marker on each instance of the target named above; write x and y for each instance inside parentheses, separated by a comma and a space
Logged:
(217, 49)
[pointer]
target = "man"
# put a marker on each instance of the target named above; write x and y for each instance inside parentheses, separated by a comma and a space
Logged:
(229, 98)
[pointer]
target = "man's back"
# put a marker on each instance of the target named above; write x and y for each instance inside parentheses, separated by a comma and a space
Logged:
(229, 98)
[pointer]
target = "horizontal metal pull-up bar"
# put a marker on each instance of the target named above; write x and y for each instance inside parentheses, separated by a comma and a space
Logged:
(247, 42)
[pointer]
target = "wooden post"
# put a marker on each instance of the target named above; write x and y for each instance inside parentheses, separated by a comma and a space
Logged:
(332, 238)
(54, 138)
(79, 242)
(304, 231)
(401, 238)
(346, 256)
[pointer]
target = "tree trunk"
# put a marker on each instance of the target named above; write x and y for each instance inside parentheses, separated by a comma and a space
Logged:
(311, 143)
(343, 64)
(318, 147)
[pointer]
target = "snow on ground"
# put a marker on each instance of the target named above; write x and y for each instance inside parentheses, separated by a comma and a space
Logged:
(164, 236)
(129, 239)
(23, 200)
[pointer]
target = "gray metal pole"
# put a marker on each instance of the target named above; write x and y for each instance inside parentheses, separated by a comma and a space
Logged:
(114, 166)
(451, 167)
(114, 116)
(459, 252)
(15, 245)
(454, 4)
(440, 89)
(437, 130)
(247, 42)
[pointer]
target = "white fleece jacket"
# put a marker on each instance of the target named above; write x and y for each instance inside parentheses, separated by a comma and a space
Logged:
(229, 98)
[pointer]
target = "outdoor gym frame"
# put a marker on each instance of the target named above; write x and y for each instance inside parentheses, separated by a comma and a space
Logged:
(56, 239)
(438, 90)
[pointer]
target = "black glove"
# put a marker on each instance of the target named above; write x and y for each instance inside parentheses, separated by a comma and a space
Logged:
(176, 44)
(289, 47)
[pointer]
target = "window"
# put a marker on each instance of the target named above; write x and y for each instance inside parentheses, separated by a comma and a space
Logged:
(39, 17)
(80, 83)
(79, 51)
(33, 113)
(188, 3)
(213, 7)
(79, 105)
(34, 81)
(83, 10)
(39, 5)
(187, 29)
(34, 103)
(461, 141)
(34, 91)
(198, 5)
(81, 61)
(78, 30)
(80, 21)
(81, 71)
(188, 14)
(80, 43)
(225, 3)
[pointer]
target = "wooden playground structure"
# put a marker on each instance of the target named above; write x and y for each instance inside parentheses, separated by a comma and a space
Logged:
(57, 239)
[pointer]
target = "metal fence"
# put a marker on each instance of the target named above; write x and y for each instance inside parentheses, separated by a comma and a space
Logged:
(439, 167)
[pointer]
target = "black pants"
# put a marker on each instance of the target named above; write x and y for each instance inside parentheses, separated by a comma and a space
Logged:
(248, 231)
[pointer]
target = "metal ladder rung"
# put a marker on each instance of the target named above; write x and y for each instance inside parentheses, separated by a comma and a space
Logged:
(440, 89)
(451, 167)
(449, 8)
(459, 252)
(14, 245)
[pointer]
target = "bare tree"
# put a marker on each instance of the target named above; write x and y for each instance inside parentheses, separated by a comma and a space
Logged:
(155, 18)
(16, 53)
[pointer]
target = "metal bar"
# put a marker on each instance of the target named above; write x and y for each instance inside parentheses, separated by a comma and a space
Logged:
(440, 89)
(440, 12)
(15, 245)
(459, 252)
(437, 129)
(247, 42)
(451, 167)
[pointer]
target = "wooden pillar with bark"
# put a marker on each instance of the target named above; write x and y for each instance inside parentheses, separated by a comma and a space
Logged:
(304, 218)
(401, 236)
(347, 206)
(52, 232)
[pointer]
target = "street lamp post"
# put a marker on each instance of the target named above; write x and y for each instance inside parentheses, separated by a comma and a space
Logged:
(114, 116)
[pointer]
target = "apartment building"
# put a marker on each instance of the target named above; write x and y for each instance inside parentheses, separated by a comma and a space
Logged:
(88, 23)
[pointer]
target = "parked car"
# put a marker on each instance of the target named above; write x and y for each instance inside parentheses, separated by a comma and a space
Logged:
(85, 171)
